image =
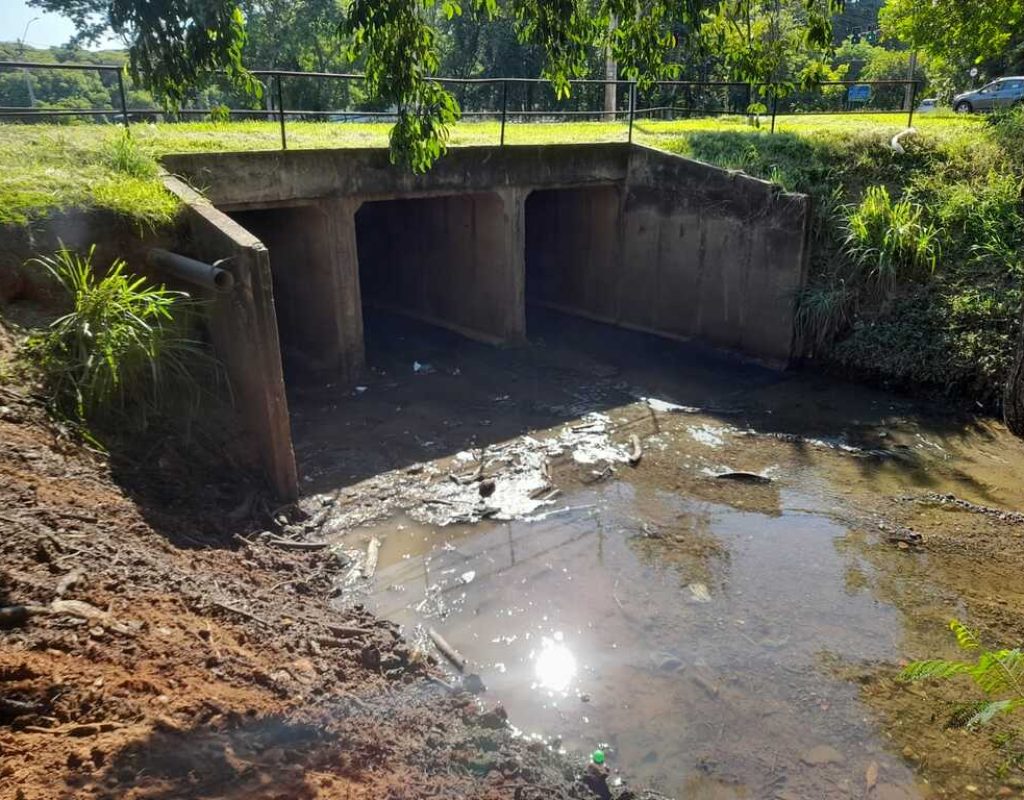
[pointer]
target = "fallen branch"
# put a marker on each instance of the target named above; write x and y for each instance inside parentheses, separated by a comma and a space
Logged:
(76, 728)
(293, 544)
(240, 613)
(447, 650)
(349, 630)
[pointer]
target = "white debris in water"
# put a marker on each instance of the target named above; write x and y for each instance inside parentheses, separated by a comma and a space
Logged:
(467, 577)
(699, 592)
(422, 369)
(708, 435)
(519, 472)
(666, 407)
(589, 442)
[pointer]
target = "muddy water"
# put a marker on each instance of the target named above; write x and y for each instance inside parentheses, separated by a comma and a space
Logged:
(686, 624)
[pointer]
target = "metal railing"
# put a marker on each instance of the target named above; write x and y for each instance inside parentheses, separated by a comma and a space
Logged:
(738, 98)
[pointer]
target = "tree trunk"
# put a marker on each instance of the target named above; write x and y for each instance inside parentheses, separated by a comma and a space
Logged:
(611, 73)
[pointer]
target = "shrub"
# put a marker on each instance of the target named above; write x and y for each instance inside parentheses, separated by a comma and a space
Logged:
(121, 351)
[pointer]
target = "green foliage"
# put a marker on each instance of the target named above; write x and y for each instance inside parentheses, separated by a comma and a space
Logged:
(823, 312)
(994, 672)
(220, 113)
(173, 44)
(889, 239)
(762, 41)
(120, 353)
(954, 29)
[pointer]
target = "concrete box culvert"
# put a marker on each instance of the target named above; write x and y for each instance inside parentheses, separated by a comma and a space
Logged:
(618, 233)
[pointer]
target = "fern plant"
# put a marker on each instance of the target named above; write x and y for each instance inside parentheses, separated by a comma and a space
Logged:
(121, 350)
(998, 673)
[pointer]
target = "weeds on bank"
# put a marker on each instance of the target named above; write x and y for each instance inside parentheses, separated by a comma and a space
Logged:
(122, 353)
(889, 240)
(999, 674)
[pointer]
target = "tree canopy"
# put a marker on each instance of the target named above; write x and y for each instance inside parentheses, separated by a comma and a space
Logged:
(955, 29)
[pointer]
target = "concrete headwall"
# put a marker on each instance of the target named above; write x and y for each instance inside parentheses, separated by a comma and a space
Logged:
(619, 233)
(243, 330)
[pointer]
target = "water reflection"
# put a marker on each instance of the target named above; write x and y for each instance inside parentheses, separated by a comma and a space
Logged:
(554, 665)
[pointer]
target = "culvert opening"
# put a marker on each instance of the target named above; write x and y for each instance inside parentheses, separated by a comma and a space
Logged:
(572, 252)
(302, 271)
(439, 260)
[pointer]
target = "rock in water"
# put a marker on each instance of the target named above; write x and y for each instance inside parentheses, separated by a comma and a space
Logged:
(821, 755)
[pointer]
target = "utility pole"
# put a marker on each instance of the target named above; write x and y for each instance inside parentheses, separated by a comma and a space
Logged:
(21, 53)
(611, 73)
(908, 96)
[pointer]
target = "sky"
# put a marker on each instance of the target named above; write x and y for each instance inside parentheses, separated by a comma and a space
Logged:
(46, 31)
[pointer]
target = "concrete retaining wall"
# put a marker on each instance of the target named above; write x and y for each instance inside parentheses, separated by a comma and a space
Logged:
(681, 250)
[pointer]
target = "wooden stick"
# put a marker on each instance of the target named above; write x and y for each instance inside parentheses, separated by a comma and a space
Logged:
(292, 544)
(240, 612)
(447, 650)
(349, 630)
(372, 553)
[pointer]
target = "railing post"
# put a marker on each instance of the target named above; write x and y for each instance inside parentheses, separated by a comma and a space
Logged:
(124, 101)
(504, 109)
(632, 108)
(775, 106)
(280, 110)
(913, 102)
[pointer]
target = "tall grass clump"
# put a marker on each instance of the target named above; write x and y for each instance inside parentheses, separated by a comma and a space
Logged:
(123, 154)
(121, 353)
(889, 240)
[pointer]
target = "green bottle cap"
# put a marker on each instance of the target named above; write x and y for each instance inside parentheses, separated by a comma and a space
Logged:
(598, 756)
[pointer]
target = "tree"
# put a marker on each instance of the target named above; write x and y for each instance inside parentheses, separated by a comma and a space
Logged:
(953, 29)
(765, 42)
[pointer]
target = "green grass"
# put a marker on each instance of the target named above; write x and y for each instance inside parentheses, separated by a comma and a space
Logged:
(46, 168)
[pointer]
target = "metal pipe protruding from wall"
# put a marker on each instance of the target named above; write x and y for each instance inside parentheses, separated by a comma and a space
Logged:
(188, 269)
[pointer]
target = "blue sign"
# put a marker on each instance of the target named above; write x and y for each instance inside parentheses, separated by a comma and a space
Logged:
(859, 94)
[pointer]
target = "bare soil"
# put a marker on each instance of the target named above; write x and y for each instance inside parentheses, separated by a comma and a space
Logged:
(156, 654)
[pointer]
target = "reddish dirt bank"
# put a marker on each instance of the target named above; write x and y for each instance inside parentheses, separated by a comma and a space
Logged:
(146, 655)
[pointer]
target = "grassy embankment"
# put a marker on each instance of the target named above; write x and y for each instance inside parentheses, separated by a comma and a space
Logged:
(918, 286)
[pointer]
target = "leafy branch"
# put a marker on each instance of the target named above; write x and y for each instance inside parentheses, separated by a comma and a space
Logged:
(995, 672)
